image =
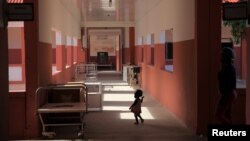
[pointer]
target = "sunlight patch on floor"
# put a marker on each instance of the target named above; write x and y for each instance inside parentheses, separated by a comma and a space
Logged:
(115, 83)
(145, 114)
(118, 97)
(115, 108)
(118, 88)
(128, 115)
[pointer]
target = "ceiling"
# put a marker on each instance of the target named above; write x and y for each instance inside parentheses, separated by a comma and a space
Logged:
(108, 10)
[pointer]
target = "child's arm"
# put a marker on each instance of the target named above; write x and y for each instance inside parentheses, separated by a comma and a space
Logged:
(142, 99)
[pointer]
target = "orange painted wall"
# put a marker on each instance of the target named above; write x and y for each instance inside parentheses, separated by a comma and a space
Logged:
(81, 53)
(53, 55)
(64, 76)
(75, 53)
(67, 73)
(60, 57)
(244, 59)
(138, 55)
(69, 55)
(17, 121)
(126, 55)
(117, 59)
(19, 111)
(45, 60)
(175, 90)
(23, 54)
(15, 56)
(37, 61)
(132, 44)
(32, 72)
(147, 53)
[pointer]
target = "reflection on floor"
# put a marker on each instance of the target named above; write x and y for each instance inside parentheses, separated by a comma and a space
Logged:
(116, 123)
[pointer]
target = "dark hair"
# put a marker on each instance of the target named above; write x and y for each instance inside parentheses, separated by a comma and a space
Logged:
(138, 93)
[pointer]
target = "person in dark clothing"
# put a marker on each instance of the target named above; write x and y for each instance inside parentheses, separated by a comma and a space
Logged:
(136, 106)
(227, 86)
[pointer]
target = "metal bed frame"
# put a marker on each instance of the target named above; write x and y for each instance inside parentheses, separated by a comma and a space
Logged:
(61, 113)
(86, 71)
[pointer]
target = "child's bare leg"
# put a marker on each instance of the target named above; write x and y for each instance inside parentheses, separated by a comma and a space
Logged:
(142, 120)
(136, 119)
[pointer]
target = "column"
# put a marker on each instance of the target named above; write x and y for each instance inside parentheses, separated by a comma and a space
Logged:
(31, 49)
(4, 83)
(208, 38)
(248, 78)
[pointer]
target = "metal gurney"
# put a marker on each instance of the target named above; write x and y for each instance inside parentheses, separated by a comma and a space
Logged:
(61, 105)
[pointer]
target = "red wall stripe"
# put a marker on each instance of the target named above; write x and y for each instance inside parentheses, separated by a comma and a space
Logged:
(15, 56)
(126, 56)
(53, 55)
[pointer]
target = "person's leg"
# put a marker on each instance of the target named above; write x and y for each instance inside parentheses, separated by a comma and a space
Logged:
(228, 111)
(142, 120)
(221, 111)
(136, 119)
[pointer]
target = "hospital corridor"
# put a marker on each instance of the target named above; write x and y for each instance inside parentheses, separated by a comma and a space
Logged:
(70, 70)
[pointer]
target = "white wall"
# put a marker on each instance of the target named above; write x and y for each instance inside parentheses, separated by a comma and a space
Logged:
(104, 43)
(59, 15)
(155, 16)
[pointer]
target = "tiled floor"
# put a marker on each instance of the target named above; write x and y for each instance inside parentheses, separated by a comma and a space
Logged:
(116, 123)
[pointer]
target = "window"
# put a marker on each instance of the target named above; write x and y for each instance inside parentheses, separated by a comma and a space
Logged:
(169, 51)
(69, 51)
(150, 43)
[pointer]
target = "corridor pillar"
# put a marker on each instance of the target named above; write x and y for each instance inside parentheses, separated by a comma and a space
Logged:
(4, 83)
(248, 79)
(31, 45)
(132, 45)
(208, 37)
